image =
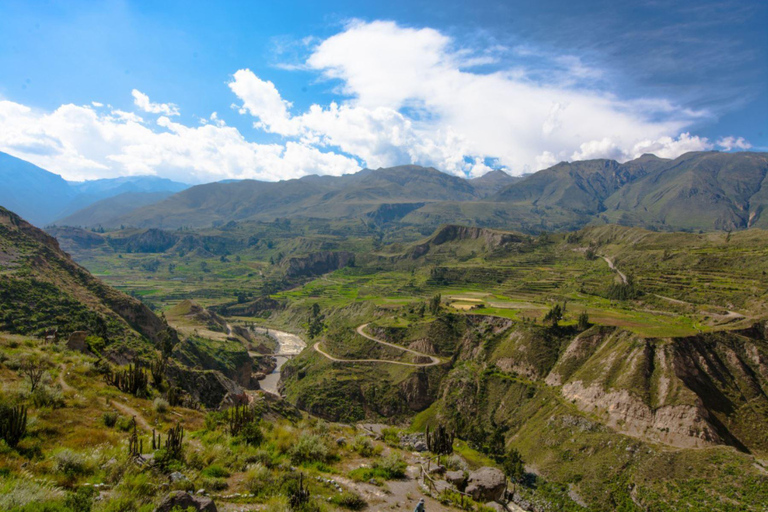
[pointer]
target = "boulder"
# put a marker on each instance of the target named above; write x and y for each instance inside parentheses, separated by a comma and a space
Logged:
(442, 486)
(457, 478)
(498, 507)
(76, 342)
(486, 484)
(181, 500)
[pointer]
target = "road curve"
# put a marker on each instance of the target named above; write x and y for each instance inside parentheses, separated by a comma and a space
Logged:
(434, 361)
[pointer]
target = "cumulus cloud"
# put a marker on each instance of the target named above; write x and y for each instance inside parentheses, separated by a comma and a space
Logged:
(731, 143)
(79, 142)
(141, 100)
(402, 95)
(388, 73)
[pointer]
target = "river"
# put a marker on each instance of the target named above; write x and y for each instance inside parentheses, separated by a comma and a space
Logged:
(288, 345)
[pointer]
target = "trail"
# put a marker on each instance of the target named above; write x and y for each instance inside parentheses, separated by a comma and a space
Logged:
(64, 386)
(433, 360)
(130, 411)
(613, 267)
(730, 315)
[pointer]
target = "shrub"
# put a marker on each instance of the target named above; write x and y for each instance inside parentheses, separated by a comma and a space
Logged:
(81, 500)
(309, 448)
(365, 447)
(161, 405)
(393, 466)
(349, 500)
(251, 433)
(124, 423)
(258, 479)
(110, 419)
(215, 471)
(47, 396)
(70, 463)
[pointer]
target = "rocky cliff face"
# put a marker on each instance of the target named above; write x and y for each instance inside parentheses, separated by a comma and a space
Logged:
(492, 238)
(318, 263)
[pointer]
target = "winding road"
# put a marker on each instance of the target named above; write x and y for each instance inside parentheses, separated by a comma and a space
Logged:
(613, 267)
(434, 361)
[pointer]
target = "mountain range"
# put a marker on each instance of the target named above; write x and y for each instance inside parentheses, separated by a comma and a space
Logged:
(43, 197)
(696, 191)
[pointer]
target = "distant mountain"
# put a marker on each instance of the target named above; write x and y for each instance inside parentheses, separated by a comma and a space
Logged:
(701, 191)
(107, 211)
(709, 190)
(493, 182)
(38, 195)
(326, 197)
(42, 197)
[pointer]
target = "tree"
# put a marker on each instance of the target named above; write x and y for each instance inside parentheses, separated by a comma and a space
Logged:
(555, 314)
(34, 368)
(315, 325)
(514, 467)
(434, 304)
(584, 321)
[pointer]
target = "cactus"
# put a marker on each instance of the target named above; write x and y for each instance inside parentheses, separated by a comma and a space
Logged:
(13, 424)
(440, 442)
(174, 396)
(174, 441)
(157, 369)
(133, 380)
(134, 445)
(238, 417)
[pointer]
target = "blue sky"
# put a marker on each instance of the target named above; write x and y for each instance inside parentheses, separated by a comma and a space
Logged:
(92, 89)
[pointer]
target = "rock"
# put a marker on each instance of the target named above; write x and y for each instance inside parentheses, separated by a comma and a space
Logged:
(437, 470)
(178, 477)
(420, 446)
(76, 342)
(200, 491)
(442, 486)
(457, 478)
(341, 442)
(496, 506)
(486, 484)
(182, 501)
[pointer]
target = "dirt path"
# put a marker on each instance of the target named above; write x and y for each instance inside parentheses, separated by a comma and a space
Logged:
(360, 330)
(64, 386)
(613, 267)
(130, 411)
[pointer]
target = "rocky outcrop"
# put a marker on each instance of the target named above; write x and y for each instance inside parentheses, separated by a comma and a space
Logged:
(452, 233)
(486, 484)
(318, 263)
(208, 387)
(180, 500)
(684, 426)
(76, 342)
(415, 390)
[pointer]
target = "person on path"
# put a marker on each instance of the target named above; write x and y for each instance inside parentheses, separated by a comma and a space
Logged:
(420, 506)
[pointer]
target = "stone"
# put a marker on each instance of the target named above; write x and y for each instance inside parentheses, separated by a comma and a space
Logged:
(486, 484)
(437, 470)
(76, 342)
(178, 477)
(457, 478)
(442, 486)
(182, 501)
(498, 507)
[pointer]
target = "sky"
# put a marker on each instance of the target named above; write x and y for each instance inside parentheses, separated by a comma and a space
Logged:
(206, 91)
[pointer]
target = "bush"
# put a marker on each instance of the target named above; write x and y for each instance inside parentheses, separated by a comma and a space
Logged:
(161, 405)
(349, 500)
(215, 471)
(393, 466)
(365, 447)
(47, 396)
(309, 448)
(251, 433)
(258, 479)
(109, 419)
(80, 500)
(70, 464)
(124, 423)
(214, 484)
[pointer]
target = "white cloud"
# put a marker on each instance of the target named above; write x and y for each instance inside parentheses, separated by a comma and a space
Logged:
(408, 96)
(81, 143)
(671, 147)
(141, 100)
(731, 143)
